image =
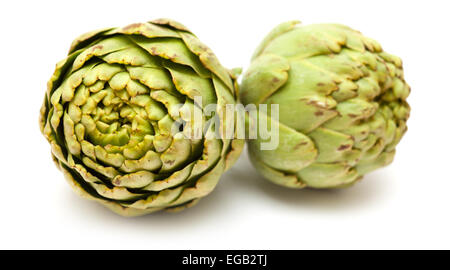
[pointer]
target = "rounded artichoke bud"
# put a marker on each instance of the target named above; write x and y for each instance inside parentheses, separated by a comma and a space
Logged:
(120, 115)
(342, 104)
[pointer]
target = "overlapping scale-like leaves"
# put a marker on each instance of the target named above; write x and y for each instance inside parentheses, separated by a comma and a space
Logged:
(342, 104)
(110, 111)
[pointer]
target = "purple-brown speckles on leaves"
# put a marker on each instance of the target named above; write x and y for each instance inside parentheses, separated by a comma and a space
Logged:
(297, 146)
(97, 47)
(344, 147)
(170, 162)
(131, 26)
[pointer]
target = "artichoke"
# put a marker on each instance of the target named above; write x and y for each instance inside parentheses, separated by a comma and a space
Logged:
(342, 104)
(111, 107)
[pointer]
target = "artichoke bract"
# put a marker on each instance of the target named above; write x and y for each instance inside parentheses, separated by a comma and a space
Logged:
(342, 104)
(110, 109)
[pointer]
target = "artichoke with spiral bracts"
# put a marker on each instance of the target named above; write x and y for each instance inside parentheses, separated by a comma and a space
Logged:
(110, 109)
(342, 104)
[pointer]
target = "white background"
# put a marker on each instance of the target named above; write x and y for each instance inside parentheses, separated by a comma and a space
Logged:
(406, 205)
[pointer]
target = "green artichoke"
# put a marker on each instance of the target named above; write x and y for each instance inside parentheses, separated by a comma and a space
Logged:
(110, 109)
(342, 104)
